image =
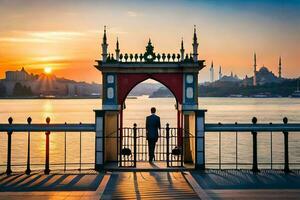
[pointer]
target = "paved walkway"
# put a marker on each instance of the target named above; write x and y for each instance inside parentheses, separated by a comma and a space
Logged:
(212, 184)
(243, 184)
(55, 186)
(148, 185)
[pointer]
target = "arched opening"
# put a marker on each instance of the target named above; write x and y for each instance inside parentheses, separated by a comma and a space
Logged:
(140, 97)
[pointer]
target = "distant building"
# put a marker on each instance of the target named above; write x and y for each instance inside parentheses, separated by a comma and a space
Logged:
(263, 76)
(230, 78)
(279, 68)
(211, 70)
(45, 85)
(254, 71)
(220, 72)
(21, 75)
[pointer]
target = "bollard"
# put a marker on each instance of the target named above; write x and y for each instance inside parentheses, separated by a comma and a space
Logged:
(9, 133)
(168, 143)
(28, 171)
(254, 135)
(134, 143)
(286, 148)
(47, 133)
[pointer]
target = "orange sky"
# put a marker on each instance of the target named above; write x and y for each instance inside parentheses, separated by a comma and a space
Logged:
(67, 35)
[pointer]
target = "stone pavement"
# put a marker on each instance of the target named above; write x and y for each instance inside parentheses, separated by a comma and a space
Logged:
(148, 185)
(244, 184)
(211, 184)
(54, 186)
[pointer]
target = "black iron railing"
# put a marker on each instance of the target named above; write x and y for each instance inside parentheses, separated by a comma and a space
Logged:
(170, 147)
(47, 128)
(255, 129)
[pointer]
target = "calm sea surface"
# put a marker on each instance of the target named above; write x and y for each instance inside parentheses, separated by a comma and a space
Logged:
(225, 110)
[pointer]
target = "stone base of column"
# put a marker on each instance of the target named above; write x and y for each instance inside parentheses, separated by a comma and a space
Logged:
(99, 167)
(200, 167)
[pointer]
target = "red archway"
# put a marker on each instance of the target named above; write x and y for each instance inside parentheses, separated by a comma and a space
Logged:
(126, 82)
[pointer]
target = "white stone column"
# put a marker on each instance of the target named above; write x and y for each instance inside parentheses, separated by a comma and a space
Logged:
(200, 139)
(99, 140)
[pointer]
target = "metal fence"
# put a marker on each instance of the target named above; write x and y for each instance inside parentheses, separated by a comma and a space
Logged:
(170, 147)
(239, 131)
(12, 129)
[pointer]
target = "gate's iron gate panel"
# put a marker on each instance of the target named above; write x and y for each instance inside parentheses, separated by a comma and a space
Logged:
(134, 147)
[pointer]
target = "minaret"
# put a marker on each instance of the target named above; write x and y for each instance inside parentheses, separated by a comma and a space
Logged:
(117, 51)
(104, 46)
(182, 50)
(220, 72)
(279, 68)
(195, 46)
(212, 72)
(254, 68)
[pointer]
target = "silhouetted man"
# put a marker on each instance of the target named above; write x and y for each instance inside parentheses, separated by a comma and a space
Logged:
(152, 126)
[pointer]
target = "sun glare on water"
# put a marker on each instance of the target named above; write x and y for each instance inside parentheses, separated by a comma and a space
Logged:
(48, 70)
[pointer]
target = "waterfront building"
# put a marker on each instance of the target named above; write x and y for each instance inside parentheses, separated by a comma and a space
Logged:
(21, 75)
(279, 68)
(211, 70)
(254, 70)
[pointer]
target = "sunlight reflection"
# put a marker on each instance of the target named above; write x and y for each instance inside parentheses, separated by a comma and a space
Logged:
(48, 110)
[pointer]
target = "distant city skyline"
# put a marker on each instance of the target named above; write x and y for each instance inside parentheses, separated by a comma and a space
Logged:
(66, 35)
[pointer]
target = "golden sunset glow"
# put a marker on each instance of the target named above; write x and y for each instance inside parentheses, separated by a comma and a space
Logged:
(229, 34)
(48, 70)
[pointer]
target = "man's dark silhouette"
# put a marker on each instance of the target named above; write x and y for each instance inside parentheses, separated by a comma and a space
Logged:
(152, 126)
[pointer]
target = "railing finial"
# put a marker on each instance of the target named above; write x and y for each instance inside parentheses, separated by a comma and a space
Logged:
(10, 120)
(254, 120)
(48, 120)
(285, 120)
(29, 120)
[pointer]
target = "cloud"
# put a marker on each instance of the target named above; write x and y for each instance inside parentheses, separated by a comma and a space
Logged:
(132, 14)
(39, 36)
(56, 35)
(20, 39)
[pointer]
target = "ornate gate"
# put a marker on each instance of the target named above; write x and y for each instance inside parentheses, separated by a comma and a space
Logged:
(120, 73)
(134, 147)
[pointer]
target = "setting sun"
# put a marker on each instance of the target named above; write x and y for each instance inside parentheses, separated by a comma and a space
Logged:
(48, 70)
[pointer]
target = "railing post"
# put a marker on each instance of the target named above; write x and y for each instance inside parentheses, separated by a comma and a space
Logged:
(236, 148)
(28, 171)
(80, 150)
(254, 135)
(134, 143)
(271, 146)
(47, 133)
(9, 133)
(286, 148)
(65, 150)
(168, 143)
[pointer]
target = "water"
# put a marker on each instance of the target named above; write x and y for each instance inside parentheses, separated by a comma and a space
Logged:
(225, 110)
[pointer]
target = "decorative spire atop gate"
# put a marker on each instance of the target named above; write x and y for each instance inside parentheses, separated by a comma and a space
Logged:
(195, 46)
(181, 58)
(182, 50)
(149, 55)
(104, 46)
(117, 50)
